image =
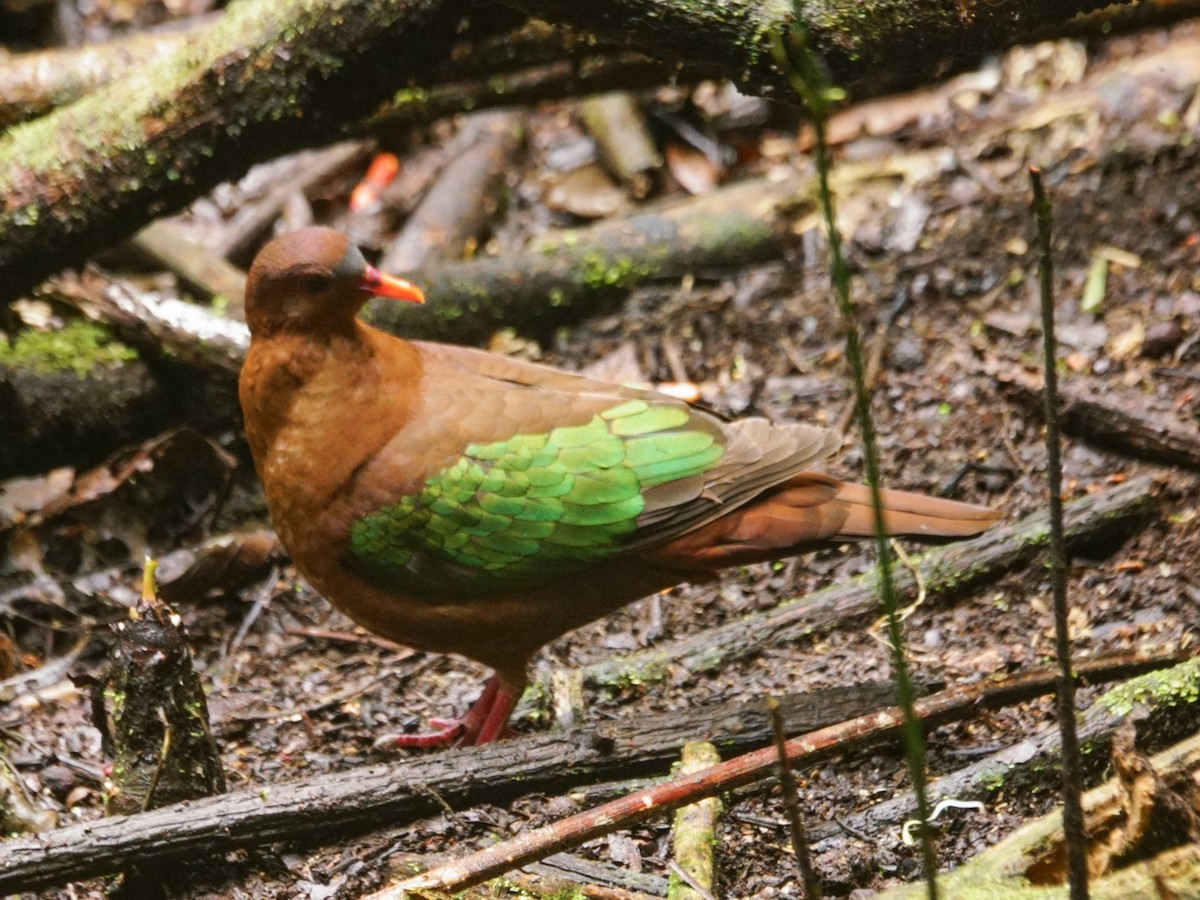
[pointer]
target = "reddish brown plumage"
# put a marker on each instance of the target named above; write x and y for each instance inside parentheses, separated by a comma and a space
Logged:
(344, 420)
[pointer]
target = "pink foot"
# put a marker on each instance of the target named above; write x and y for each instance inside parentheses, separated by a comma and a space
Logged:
(485, 721)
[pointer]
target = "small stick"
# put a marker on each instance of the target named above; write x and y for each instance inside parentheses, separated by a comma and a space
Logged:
(791, 805)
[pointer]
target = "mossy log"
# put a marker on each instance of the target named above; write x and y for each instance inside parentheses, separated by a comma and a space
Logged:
(271, 76)
(70, 397)
(569, 275)
(868, 48)
(694, 833)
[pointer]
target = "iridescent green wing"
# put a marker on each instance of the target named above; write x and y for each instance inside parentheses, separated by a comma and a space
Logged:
(535, 507)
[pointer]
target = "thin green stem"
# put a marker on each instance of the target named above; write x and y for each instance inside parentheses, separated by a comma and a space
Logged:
(799, 62)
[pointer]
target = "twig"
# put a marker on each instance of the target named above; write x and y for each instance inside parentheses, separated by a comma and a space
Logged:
(1100, 420)
(791, 805)
(262, 596)
(1072, 776)
(690, 880)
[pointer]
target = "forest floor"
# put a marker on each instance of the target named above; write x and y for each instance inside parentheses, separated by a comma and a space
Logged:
(944, 248)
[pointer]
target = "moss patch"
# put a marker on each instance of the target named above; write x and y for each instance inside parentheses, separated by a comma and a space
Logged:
(76, 348)
(1171, 687)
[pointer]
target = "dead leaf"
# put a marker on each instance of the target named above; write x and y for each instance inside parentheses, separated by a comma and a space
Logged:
(693, 169)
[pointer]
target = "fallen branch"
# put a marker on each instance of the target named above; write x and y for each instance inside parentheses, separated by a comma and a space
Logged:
(694, 833)
(324, 808)
(1130, 429)
(205, 272)
(465, 199)
(32, 84)
(573, 274)
(943, 570)
(268, 78)
(274, 76)
(856, 734)
(74, 411)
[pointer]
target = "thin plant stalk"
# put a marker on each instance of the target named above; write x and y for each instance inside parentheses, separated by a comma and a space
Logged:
(1072, 776)
(799, 62)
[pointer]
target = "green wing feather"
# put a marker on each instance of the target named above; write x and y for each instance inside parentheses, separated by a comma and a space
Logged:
(534, 507)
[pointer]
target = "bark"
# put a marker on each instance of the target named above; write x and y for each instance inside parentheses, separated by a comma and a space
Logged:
(868, 47)
(694, 834)
(33, 84)
(57, 418)
(616, 122)
(552, 80)
(156, 723)
(200, 270)
(1129, 429)
(466, 198)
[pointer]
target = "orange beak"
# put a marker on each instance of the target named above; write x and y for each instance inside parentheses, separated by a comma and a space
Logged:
(388, 286)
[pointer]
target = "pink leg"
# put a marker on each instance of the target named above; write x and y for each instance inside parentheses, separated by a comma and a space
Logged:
(485, 721)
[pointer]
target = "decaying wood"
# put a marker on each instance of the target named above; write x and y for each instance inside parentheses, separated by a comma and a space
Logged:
(628, 151)
(157, 725)
(1092, 518)
(270, 77)
(309, 170)
(694, 833)
(32, 84)
(191, 335)
(569, 275)
(1129, 429)
(61, 417)
(867, 48)
(553, 80)
(1024, 864)
(466, 198)
(886, 724)
(165, 243)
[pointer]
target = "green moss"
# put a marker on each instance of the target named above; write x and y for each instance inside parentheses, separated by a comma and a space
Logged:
(599, 273)
(76, 348)
(1177, 686)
